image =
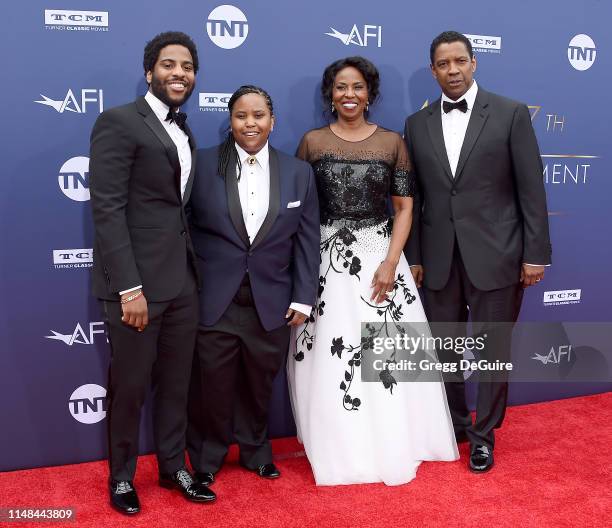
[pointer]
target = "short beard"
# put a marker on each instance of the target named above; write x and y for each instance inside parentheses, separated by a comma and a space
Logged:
(157, 88)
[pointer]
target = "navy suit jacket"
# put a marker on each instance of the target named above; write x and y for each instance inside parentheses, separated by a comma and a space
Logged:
(283, 259)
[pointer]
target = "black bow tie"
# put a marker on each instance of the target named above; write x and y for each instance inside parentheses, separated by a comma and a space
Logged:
(460, 105)
(178, 117)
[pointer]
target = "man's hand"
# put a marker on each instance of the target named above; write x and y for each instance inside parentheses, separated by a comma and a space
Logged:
(295, 318)
(417, 274)
(136, 312)
(530, 275)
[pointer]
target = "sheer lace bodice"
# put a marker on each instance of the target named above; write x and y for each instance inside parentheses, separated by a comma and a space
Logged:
(355, 178)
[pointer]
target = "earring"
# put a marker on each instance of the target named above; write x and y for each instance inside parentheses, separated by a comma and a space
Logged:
(333, 108)
(367, 107)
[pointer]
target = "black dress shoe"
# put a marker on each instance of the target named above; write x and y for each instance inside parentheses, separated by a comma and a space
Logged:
(205, 478)
(481, 458)
(183, 481)
(123, 497)
(269, 471)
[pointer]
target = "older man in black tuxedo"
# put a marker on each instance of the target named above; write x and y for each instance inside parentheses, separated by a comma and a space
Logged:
(480, 229)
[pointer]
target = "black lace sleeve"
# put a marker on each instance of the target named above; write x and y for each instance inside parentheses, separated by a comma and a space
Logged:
(403, 180)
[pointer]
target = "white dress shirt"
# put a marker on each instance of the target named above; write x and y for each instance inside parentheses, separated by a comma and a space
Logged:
(254, 192)
(454, 126)
(179, 138)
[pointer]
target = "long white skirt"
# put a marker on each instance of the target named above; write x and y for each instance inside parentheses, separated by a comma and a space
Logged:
(358, 432)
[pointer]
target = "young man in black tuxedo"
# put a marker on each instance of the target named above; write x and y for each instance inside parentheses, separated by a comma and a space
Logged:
(141, 172)
(480, 227)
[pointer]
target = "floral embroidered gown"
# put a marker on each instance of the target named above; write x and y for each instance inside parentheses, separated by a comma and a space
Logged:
(353, 431)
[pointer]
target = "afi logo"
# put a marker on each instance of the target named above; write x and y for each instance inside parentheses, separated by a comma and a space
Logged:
(563, 352)
(363, 38)
(79, 335)
(87, 404)
(70, 103)
(73, 179)
(581, 52)
(227, 26)
(214, 102)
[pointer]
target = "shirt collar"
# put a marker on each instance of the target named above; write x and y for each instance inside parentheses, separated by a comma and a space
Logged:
(469, 96)
(161, 109)
(263, 156)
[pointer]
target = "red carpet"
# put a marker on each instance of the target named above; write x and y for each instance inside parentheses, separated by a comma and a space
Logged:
(553, 468)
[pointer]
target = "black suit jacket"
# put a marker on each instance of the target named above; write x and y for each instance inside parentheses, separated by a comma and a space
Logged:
(495, 206)
(283, 259)
(141, 234)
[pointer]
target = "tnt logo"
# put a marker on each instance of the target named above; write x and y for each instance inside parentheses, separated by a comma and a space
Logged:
(70, 103)
(227, 26)
(87, 404)
(369, 35)
(73, 179)
(581, 52)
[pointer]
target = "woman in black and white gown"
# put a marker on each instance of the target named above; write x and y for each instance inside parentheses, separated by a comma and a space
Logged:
(354, 431)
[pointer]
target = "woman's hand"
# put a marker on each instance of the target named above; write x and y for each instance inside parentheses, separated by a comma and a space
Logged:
(383, 281)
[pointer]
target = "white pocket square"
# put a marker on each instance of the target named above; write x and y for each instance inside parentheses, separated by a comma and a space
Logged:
(291, 205)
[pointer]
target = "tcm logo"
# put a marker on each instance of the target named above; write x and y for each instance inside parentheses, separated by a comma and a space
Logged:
(69, 20)
(72, 258)
(73, 179)
(227, 26)
(581, 52)
(70, 103)
(555, 298)
(79, 335)
(485, 44)
(87, 404)
(214, 102)
(562, 353)
(369, 35)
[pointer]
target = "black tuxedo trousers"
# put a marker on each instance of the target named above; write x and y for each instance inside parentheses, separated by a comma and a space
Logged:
(161, 355)
(486, 308)
(234, 368)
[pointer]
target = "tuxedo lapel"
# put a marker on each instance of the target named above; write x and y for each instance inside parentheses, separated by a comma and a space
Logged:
(233, 200)
(480, 114)
(434, 127)
(274, 203)
(158, 129)
(194, 156)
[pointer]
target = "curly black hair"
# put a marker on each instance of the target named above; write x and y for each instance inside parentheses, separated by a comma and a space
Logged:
(157, 43)
(447, 37)
(228, 147)
(365, 67)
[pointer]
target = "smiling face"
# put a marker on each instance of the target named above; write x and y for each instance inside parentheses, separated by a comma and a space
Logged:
(251, 122)
(350, 94)
(453, 68)
(173, 78)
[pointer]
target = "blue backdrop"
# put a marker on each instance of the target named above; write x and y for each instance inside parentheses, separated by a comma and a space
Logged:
(65, 65)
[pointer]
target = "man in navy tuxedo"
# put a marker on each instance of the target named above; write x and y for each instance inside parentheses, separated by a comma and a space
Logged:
(255, 228)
